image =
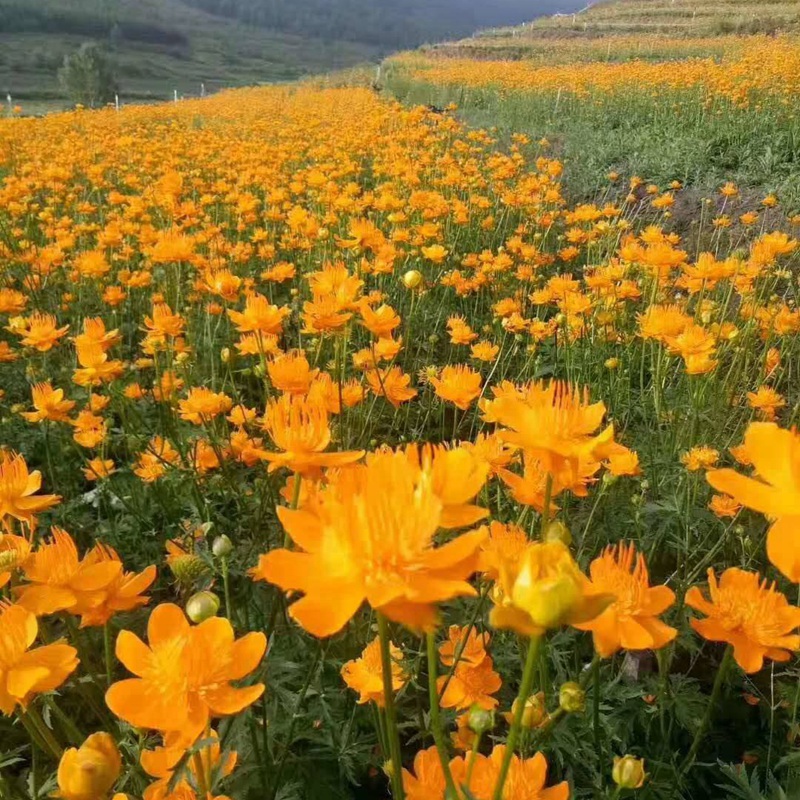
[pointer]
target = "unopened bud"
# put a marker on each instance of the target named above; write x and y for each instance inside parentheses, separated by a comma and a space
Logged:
(628, 772)
(222, 546)
(571, 698)
(557, 531)
(535, 711)
(202, 606)
(480, 719)
(412, 279)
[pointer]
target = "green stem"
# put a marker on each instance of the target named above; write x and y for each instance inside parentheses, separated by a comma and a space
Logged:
(391, 715)
(516, 725)
(596, 702)
(200, 773)
(46, 734)
(436, 719)
(226, 585)
(706, 721)
(108, 651)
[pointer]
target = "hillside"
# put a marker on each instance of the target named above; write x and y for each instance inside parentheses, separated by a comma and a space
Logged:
(645, 19)
(164, 45)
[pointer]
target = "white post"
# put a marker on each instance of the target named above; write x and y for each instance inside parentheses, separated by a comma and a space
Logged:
(202, 90)
(10, 104)
(116, 101)
(174, 95)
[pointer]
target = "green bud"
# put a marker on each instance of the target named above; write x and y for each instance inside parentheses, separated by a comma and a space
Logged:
(480, 719)
(202, 606)
(222, 546)
(571, 698)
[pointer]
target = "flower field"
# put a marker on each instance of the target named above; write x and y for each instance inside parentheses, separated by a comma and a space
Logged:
(347, 452)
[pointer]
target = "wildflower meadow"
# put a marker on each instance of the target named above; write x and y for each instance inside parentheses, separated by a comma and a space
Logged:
(350, 451)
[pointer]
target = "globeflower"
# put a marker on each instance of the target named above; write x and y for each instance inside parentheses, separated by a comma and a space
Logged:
(49, 404)
(458, 384)
(184, 673)
(25, 672)
(369, 536)
(554, 423)
(365, 676)
(18, 487)
(202, 405)
(89, 772)
(631, 620)
(750, 615)
(544, 589)
(59, 581)
(299, 427)
(774, 491)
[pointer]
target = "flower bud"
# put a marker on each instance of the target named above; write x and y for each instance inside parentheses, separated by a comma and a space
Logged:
(412, 279)
(222, 546)
(91, 770)
(202, 606)
(571, 698)
(628, 772)
(557, 531)
(535, 711)
(611, 363)
(225, 355)
(480, 719)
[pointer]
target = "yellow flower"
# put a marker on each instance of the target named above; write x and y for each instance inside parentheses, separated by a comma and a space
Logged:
(89, 772)
(544, 589)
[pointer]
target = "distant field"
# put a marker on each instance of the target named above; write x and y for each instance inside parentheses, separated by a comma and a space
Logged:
(697, 92)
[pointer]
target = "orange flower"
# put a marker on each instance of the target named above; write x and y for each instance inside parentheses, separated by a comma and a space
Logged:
(471, 644)
(775, 491)
(553, 423)
(95, 366)
(152, 463)
(365, 676)
(259, 316)
(392, 383)
(202, 405)
(526, 778)
(484, 351)
(58, 580)
(756, 619)
(162, 762)
(631, 621)
(470, 685)
(458, 384)
(98, 468)
(184, 674)
(25, 672)
(123, 593)
(89, 772)
(49, 404)
(18, 490)
(766, 401)
(90, 429)
(299, 427)
(369, 535)
(40, 331)
(380, 322)
(504, 546)
(291, 373)
(723, 506)
(14, 552)
(700, 457)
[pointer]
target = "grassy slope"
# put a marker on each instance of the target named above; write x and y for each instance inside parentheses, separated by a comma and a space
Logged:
(633, 135)
(204, 49)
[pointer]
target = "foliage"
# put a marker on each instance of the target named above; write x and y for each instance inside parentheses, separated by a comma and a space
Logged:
(87, 76)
